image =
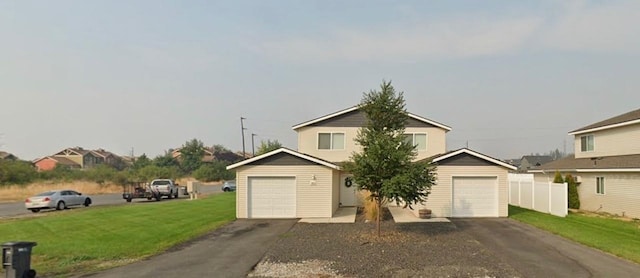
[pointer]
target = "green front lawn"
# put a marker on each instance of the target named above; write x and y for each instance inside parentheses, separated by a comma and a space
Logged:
(621, 238)
(85, 240)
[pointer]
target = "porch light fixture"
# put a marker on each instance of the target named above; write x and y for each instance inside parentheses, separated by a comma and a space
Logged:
(313, 180)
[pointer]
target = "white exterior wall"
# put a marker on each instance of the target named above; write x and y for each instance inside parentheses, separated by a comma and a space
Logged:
(615, 141)
(308, 142)
(440, 201)
(312, 200)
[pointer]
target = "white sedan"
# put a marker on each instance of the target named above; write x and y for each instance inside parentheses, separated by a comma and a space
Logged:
(58, 199)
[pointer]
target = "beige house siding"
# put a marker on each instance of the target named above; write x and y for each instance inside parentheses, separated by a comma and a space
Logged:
(308, 142)
(440, 201)
(622, 193)
(312, 200)
(616, 141)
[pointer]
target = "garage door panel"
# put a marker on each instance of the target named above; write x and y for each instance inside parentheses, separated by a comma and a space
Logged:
(272, 197)
(475, 197)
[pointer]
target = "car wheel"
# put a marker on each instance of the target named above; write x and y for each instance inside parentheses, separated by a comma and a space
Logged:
(129, 200)
(61, 205)
(226, 189)
(35, 210)
(87, 202)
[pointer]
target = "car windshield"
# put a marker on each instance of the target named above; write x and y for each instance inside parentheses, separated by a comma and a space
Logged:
(160, 183)
(48, 193)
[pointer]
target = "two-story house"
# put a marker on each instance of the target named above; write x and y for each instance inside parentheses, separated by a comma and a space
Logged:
(606, 164)
(77, 158)
(310, 183)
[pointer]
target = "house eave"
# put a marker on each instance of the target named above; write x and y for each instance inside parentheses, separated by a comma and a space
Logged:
(413, 116)
(288, 151)
(577, 132)
(478, 155)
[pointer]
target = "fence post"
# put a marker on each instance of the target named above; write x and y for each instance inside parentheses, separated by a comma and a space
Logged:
(566, 199)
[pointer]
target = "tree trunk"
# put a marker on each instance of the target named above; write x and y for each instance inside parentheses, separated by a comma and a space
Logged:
(379, 203)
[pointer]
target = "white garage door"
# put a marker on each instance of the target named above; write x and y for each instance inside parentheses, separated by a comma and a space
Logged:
(475, 197)
(272, 197)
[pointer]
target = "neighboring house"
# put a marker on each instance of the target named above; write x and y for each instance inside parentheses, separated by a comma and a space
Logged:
(530, 161)
(48, 163)
(606, 164)
(84, 158)
(515, 162)
(310, 182)
(7, 156)
(78, 158)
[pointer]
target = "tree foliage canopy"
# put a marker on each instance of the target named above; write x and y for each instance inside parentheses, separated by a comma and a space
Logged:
(267, 146)
(385, 166)
(191, 155)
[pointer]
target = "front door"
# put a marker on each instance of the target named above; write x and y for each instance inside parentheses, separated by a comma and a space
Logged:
(348, 190)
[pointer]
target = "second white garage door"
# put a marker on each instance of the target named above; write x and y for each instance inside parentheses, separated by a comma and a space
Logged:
(272, 197)
(475, 197)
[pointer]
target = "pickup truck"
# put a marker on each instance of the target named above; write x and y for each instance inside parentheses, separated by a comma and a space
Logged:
(164, 187)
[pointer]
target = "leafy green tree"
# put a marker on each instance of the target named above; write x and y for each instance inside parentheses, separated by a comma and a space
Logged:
(141, 162)
(191, 155)
(267, 146)
(558, 178)
(214, 171)
(16, 172)
(165, 160)
(572, 194)
(385, 165)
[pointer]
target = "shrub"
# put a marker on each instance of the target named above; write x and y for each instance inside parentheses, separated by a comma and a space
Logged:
(16, 172)
(572, 194)
(213, 171)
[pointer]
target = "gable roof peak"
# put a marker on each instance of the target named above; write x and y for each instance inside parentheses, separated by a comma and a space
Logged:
(354, 108)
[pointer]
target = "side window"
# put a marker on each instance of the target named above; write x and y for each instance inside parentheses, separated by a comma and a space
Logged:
(600, 185)
(419, 140)
(586, 143)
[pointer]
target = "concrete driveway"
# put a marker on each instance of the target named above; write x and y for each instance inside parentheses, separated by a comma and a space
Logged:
(537, 253)
(230, 251)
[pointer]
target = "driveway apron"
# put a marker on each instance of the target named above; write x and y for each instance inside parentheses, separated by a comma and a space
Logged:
(537, 253)
(230, 251)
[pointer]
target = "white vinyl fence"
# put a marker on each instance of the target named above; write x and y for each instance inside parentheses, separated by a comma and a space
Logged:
(544, 197)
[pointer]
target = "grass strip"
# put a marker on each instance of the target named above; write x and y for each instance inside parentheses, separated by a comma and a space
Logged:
(618, 237)
(87, 240)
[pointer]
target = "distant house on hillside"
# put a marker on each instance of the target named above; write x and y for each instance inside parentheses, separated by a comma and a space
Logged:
(78, 158)
(48, 163)
(529, 162)
(7, 156)
(514, 161)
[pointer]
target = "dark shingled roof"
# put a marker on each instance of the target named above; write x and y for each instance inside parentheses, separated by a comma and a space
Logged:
(538, 159)
(626, 117)
(605, 162)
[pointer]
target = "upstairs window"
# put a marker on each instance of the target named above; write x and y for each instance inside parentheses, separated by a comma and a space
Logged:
(586, 143)
(331, 141)
(418, 140)
(600, 185)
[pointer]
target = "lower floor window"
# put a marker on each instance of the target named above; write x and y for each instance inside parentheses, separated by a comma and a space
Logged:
(600, 185)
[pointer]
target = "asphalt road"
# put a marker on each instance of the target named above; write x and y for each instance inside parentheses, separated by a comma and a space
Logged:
(230, 251)
(537, 253)
(18, 209)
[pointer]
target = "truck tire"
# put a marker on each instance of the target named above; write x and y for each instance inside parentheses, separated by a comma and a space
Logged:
(170, 195)
(177, 194)
(158, 197)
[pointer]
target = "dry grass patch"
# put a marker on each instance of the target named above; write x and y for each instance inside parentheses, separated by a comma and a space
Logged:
(20, 192)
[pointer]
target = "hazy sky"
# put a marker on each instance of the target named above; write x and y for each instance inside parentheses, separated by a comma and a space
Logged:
(510, 77)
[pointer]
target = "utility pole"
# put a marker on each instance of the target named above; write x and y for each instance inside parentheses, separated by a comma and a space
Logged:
(252, 144)
(242, 127)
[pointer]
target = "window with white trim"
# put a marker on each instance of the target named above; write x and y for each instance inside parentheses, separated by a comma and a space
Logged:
(419, 140)
(331, 141)
(600, 185)
(586, 143)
